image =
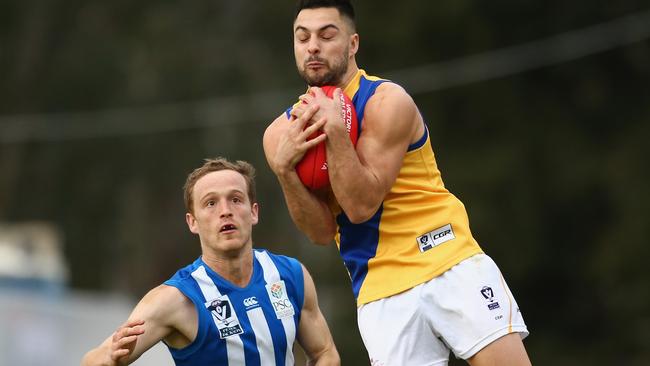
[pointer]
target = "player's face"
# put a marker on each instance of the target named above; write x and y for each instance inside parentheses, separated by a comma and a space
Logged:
(223, 214)
(322, 45)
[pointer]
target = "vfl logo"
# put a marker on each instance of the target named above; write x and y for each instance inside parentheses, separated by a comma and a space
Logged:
(424, 243)
(220, 309)
(488, 294)
(225, 317)
(250, 301)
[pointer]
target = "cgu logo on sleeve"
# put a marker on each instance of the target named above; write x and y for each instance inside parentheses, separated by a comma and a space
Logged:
(224, 317)
(279, 299)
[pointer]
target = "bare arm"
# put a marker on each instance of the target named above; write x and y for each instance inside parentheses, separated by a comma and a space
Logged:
(154, 318)
(285, 143)
(361, 177)
(313, 334)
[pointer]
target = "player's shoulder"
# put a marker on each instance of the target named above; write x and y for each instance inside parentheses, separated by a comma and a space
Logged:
(389, 105)
(165, 294)
(390, 93)
(274, 129)
(281, 261)
(274, 256)
(163, 304)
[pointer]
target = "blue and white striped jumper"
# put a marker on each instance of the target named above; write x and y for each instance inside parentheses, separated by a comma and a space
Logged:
(253, 325)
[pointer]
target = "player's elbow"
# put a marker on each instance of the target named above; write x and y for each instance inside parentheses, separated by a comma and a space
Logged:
(363, 205)
(360, 214)
(328, 357)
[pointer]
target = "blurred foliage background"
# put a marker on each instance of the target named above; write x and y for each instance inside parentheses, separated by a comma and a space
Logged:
(106, 106)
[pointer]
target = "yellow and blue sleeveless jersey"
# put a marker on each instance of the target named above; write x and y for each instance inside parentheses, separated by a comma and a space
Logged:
(420, 229)
(251, 326)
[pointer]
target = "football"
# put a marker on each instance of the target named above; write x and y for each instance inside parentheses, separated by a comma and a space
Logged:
(312, 169)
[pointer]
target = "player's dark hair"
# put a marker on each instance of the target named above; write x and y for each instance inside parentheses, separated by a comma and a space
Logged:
(215, 165)
(343, 6)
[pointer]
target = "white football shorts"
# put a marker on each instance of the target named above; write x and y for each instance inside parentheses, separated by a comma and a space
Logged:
(462, 310)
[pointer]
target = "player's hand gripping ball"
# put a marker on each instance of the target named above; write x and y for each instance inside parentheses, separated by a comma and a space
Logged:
(312, 169)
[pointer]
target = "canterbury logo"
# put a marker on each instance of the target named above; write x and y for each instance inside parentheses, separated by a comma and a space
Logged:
(250, 301)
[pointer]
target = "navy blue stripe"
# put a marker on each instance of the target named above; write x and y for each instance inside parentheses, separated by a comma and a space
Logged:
(421, 141)
(358, 244)
(366, 90)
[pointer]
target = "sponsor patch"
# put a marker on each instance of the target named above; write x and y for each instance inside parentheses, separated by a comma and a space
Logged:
(435, 237)
(280, 300)
(251, 302)
(224, 317)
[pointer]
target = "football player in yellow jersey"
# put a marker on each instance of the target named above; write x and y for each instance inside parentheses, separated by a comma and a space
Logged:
(423, 285)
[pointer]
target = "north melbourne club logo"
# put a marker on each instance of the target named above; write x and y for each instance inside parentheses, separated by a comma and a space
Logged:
(280, 300)
(276, 290)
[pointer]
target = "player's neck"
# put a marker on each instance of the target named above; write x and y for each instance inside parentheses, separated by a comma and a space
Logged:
(349, 75)
(237, 270)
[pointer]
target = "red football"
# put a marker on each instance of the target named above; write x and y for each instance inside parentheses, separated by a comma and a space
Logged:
(312, 169)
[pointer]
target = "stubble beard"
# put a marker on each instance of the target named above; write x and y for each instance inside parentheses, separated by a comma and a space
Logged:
(333, 75)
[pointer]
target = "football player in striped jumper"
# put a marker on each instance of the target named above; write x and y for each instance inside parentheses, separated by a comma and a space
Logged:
(234, 305)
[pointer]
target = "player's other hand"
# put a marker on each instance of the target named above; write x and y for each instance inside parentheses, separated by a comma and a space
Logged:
(124, 340)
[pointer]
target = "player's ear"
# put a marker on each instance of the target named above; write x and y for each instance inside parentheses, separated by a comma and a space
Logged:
(255, 210)
(191, 223)
(354, 44)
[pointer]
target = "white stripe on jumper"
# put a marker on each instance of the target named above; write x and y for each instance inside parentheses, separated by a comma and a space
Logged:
(234, 344)
(272, 275)
(262, 336)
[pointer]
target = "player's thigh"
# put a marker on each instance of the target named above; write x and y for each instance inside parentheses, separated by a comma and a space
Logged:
(472, 306)
(396, 333)
(507, 351)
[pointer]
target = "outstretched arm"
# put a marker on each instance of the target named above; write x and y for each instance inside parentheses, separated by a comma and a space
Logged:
(285, 143)
(153, 319)
(313, 334)
(117, 348)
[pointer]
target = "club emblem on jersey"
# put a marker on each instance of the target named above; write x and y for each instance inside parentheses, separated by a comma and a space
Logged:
(278, 295)
(488, 294)
(224, 316)
(276, 290)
